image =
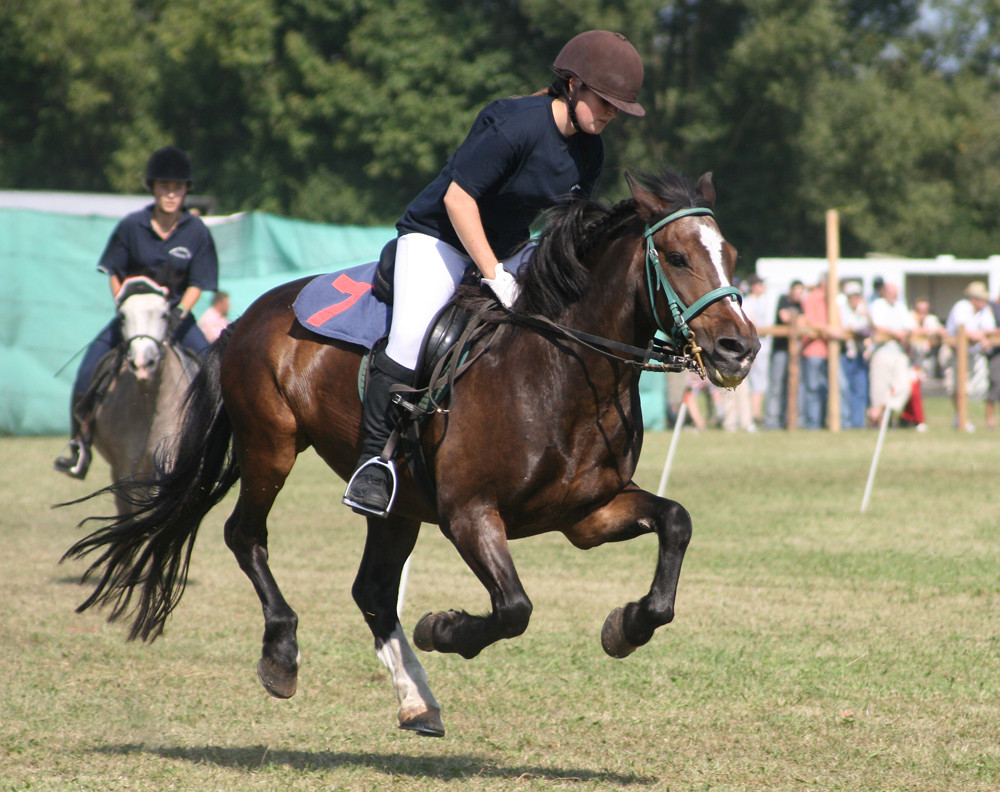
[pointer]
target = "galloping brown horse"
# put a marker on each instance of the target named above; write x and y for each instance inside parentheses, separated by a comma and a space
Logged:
(543, 433)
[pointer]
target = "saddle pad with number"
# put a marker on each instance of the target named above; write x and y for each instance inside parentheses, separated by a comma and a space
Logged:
(341, 305)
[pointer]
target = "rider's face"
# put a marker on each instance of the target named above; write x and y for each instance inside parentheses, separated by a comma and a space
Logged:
(592, 112)
(169, 195)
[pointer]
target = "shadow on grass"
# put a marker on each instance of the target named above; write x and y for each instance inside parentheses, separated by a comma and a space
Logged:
(445, 768)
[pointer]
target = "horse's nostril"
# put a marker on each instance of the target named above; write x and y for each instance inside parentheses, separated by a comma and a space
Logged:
(736, 347)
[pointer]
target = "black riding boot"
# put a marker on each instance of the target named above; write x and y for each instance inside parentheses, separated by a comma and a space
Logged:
(75, 459)
(372, 487)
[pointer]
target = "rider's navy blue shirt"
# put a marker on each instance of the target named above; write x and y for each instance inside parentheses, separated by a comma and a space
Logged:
(515, 162)
(186, 258)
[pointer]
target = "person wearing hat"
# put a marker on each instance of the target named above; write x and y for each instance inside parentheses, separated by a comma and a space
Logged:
(973, 312)
(521, 156)
(170, 246)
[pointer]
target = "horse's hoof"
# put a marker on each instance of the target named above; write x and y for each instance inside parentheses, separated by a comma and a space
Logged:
(613, 635)
(423, 633)
(426, 723)
(276, 680)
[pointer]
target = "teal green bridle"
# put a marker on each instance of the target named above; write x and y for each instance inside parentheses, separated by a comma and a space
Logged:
(681, 333)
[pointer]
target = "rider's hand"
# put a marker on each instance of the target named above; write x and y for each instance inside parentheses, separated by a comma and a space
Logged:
(504, 286)
(174, 319)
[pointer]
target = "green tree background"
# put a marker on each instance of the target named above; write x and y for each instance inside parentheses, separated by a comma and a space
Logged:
(342, 110)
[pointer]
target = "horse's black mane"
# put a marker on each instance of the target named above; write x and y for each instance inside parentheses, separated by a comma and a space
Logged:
(559, 274)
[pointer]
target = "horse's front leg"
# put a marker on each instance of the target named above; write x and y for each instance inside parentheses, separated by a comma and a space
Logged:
(376, 592)
(632, 513)
(480, 537)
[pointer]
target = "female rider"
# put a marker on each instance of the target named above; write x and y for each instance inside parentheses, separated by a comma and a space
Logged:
(522, 155)
(166, 244)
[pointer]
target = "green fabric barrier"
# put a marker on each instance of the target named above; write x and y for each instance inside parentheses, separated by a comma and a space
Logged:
(54, 301)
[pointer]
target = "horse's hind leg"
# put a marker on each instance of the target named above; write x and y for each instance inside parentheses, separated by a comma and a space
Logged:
(632, 513)
(246, 536)
(376, 591)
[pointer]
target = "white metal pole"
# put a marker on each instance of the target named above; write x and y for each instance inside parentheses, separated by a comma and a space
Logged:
(678, 425)
(878, 452)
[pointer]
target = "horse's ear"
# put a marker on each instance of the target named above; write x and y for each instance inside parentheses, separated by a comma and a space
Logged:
(706, 188)
(650, 207)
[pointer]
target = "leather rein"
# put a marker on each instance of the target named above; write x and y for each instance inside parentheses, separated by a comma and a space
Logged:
(679, 352)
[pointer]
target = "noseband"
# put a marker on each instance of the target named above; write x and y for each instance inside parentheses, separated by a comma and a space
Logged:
(160, 342)
(681, 333)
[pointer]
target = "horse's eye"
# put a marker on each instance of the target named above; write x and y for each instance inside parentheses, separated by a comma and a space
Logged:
(675, 259)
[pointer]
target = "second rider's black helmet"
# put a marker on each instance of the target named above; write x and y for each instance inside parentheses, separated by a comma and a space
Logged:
(168, 164)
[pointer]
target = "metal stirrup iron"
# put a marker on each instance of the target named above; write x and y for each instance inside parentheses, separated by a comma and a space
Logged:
(374, 462)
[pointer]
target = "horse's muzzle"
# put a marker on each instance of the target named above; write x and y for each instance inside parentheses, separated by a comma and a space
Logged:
(143, 359)
(730, 358)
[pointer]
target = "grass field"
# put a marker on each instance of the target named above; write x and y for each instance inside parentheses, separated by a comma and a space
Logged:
(814, 647)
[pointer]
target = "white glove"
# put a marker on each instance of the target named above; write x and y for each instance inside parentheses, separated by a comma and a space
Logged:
(504, 286)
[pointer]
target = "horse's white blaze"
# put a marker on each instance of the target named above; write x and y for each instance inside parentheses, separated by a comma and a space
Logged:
(409, 679)
(713, 241)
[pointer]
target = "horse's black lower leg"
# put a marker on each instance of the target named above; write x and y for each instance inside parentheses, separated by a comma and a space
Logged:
(635, 512)
(483, 545)
(376, 592)
(246, 536)
(633, 625)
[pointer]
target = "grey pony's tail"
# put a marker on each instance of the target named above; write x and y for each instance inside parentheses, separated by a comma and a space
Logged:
(145, 554)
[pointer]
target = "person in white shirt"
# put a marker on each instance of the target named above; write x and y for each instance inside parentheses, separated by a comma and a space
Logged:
(889, 370)
(975, 315)
(755, 306)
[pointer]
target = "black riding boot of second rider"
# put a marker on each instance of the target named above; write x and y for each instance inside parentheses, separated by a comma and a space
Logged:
(75, 460)
(370, 489)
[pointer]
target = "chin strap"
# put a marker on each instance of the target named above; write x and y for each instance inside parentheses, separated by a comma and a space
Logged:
(571, 100)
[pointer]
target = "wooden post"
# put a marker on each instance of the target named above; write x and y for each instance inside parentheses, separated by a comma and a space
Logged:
(833, 320)
(794, 350)
(962, 378)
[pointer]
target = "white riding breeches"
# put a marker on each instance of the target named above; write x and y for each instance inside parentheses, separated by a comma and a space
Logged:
(427, 272)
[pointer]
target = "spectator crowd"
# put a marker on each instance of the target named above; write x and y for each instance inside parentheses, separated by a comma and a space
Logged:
(888, 350)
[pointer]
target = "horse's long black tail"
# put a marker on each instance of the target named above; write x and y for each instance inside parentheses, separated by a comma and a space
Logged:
(145, 554)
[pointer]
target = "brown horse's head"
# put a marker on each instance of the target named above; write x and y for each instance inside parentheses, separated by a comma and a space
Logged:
(689, 274)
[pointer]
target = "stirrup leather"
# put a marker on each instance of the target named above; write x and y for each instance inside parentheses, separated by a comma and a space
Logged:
(362, 508)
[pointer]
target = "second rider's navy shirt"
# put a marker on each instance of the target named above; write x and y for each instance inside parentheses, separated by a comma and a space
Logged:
(186, 258)
(515, 162)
